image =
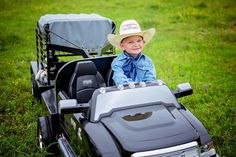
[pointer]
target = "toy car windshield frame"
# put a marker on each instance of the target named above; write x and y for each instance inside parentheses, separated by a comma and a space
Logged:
(103, 103)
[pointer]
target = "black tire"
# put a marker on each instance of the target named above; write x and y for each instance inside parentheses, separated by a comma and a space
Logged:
(35, 88)
(46, 139)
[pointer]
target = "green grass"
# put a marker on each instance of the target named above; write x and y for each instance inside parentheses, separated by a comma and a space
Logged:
(195, 42)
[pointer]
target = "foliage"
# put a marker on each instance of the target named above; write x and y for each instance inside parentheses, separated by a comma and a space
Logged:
(195, 42)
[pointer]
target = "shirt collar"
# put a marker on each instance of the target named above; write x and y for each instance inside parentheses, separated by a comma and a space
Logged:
(123, 56)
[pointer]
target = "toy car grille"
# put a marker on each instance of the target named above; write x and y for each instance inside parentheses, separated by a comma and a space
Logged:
(186, 150)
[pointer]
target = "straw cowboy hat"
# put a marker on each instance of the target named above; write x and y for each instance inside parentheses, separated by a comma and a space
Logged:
(130, 28)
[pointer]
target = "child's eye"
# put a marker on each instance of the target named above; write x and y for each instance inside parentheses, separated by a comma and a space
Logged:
(139, 41)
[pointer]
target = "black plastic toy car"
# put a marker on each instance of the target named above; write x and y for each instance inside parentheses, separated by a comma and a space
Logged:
(89, 116)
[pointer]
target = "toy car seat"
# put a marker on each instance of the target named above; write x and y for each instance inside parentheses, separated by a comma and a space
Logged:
(84, 81)
(109, 79)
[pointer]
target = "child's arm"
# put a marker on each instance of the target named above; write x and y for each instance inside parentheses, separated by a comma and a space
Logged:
(150, 74)
(118, 74)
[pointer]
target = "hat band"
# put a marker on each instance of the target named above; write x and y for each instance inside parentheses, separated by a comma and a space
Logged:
(130, 28)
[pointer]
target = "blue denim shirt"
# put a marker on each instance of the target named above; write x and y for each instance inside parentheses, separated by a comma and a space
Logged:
(145, 69)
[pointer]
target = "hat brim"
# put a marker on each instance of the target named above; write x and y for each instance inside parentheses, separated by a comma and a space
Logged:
(116, 39)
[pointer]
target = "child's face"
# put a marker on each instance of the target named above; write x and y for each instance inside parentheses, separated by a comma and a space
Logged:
(133, 45)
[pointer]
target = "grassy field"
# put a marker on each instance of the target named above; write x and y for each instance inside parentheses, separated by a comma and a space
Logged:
(195, 42)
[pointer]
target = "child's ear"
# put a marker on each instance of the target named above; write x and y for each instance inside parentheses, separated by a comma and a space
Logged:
(121, 46)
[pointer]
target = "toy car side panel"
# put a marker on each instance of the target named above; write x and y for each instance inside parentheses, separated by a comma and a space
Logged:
(102, 140)
(204, 136)
(49, 99)
(77, 137)
(93, 136)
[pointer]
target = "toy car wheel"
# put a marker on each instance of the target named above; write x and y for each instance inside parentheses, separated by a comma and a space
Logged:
(45, 136)
(35, 89)
(44, 133)
(40, 138)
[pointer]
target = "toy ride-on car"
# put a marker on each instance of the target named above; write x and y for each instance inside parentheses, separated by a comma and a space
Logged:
(89, 116)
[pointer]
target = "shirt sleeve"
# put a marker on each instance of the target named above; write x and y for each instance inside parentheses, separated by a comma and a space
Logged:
(150, 74)
(118, 74)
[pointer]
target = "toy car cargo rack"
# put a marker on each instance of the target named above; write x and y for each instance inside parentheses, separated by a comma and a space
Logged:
(60, 35)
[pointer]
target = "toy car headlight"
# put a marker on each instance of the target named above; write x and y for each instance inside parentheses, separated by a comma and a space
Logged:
(142, 84)
(208, 149)
(102, 90)
(120, 87)
(131, 85)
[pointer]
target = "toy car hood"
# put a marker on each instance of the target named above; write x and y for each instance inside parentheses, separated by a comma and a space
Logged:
(143, 118)
(151, 127)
